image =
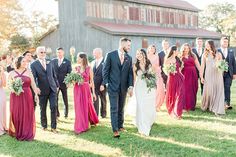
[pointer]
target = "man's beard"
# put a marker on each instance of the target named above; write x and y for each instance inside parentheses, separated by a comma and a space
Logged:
(125, 50)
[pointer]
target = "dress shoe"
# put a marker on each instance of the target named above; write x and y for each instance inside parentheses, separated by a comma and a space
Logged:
(54, 131)
(44, 129)
(228, 107)
(122, 130)
(116, 134)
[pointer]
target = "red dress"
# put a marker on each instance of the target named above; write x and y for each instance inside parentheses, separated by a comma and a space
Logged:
(190, 83)
(22, 117)
(175, 100)
(84, 109)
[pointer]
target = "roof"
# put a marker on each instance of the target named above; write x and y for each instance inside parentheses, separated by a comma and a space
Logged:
(143, 30)
(51, 30)
(176, 4)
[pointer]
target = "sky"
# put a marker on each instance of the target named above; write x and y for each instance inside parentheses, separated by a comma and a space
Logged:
(50, 6)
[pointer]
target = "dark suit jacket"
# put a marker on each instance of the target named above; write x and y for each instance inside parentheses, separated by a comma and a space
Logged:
(62, 71)
(118, 77)
(231, 61)
(45, 79)
(194, 50)
(97, 75)
(161, 56)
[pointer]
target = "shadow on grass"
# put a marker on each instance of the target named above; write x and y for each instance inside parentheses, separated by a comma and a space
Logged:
(11, 147)
(164, 140)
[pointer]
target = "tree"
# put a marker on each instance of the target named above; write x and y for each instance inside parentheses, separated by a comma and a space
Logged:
(220, 17)
(10, 13)
(19, 43)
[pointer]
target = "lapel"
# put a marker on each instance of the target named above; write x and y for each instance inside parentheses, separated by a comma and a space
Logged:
(40, 65)
(125, 61)
(118, 58)
(97, 69)
(61, 63)
(229, 55)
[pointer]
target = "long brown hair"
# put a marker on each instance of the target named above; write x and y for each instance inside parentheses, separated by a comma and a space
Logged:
(146, 61)
(171, 52)
(150, 46)
(213, 48)
(190, 53)
(83, 56)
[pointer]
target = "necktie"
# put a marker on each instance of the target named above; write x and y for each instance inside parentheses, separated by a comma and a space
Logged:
(122, 58)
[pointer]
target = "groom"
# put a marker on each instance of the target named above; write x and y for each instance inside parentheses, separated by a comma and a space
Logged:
(118, 78)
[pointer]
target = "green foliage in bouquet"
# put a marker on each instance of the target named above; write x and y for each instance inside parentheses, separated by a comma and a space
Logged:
(169, 68)
(16, 86)
(222, 65)
(73, 78)
(150, 78)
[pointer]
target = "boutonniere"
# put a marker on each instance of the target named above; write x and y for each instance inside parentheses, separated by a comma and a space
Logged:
(126, 59)
(47, 62)
(63, 62)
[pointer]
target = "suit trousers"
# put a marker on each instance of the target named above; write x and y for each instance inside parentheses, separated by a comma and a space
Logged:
(117, 103)
(43, 100)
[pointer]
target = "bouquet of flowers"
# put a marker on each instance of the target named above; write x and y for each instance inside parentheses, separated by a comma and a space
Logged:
(73, 78)
(222, 65)
(150, 78)
(169, 68)
(15, 86)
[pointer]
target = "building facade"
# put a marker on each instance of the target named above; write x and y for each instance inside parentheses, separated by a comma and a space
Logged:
(87, 24)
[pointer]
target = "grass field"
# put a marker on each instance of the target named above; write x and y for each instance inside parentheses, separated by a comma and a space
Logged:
(200, 134)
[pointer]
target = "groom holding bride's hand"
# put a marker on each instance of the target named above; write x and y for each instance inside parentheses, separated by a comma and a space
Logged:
(118, 78)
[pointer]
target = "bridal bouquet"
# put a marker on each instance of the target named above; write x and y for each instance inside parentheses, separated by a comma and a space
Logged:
(15, 86)
(169, 69)
(73, 78)
(150, 78)
(222, 65)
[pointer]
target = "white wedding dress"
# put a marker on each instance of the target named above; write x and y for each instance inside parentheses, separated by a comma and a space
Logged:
(142, 105)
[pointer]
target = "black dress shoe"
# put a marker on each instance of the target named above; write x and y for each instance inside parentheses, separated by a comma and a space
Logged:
(228, 107)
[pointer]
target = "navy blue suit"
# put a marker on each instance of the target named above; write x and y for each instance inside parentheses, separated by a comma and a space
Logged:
(47, 82)
(61, 72)
(98, 79)
(194, 50)
(118, 78)
(228, 76)
(161, 56)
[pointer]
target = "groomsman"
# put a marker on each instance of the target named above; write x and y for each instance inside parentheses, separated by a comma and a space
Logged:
(198, 51)
(228, 55)
(62, 68)
(46, 79)
(98, 79)
(162, 54)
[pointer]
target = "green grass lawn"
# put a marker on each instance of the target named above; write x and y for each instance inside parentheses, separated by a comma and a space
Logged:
(197, 134)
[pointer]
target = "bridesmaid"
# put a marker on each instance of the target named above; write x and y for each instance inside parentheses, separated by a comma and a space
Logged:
(3, 126)
(84, 109)
(175, 99)
(22, 117)
(190, 74)
(160, 92)
(213, 89)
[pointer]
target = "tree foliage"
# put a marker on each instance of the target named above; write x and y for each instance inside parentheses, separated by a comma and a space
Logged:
(220, 17)
(19, 43)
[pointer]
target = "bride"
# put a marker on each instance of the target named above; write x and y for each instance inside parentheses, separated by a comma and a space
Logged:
(143, 100)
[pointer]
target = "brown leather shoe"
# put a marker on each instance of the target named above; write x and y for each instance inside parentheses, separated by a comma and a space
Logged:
(54, 131)
(122, 130)
(116, 134)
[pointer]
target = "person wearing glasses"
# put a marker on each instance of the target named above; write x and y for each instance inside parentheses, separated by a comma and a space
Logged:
(46, 79)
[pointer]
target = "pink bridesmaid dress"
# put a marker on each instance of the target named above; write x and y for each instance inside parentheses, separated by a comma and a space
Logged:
(3, 126)
(22, 117)
(160, 92)
(84, 109)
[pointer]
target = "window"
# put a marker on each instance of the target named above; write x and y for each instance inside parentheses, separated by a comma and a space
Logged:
(144, 43)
